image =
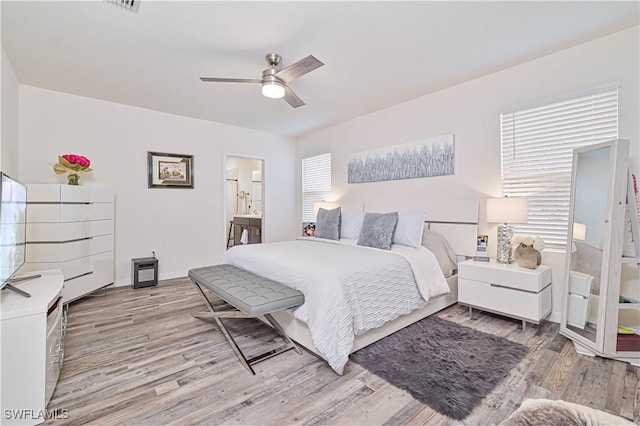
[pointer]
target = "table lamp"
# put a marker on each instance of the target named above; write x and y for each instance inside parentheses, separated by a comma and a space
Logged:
(579, 233)
(506, 210)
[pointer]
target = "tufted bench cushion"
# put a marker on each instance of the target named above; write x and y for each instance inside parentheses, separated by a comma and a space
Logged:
(246, 291)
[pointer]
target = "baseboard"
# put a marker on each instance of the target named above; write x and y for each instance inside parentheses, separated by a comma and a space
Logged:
(555, 316)
(161, 276)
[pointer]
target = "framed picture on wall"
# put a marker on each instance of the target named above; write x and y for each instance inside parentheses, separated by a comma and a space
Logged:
(170, 170)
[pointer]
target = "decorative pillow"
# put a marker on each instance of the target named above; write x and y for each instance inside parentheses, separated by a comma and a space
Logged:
(351, 225)
(439, 246)
(328, 224)
(377, 230)
(409, 229)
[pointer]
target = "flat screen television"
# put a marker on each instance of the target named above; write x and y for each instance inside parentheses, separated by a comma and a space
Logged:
(13, 230)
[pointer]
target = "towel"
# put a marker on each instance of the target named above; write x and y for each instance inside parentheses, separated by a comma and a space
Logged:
(244, 238)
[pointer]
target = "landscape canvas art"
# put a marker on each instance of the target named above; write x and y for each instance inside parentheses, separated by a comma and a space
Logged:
(423, 158)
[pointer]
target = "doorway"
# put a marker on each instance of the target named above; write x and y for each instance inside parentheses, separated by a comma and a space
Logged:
(244, 200)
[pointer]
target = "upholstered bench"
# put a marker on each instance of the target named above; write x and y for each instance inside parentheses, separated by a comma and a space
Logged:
(251, 296)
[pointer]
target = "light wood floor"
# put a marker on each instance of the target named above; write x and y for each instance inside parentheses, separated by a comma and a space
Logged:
(138, 357)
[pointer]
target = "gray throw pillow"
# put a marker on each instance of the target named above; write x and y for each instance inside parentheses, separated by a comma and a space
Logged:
(328, 224)
(377, 230)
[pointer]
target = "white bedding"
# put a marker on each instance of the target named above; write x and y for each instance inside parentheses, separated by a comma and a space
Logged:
(348, 289)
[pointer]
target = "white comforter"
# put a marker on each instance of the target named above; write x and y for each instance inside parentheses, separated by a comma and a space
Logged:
(348, 289)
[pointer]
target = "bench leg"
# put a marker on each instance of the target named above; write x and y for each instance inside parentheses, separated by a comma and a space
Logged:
(279, 329)
(247, 363)
(227, 335)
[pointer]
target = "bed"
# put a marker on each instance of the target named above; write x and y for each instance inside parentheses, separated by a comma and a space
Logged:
(401, 285)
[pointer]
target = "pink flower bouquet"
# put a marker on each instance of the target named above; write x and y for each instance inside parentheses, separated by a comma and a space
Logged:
(72, 164)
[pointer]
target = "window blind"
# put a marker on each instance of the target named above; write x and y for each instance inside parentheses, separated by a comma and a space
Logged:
(537, 151)
(316, 183)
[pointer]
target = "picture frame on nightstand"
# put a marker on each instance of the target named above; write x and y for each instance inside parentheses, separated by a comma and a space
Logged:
(481, 249)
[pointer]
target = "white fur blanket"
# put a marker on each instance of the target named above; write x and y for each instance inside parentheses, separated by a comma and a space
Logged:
(544, 412)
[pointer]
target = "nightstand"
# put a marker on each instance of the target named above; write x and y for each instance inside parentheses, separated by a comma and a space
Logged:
(505, 289)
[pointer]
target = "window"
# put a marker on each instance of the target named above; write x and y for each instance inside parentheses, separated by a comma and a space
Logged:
(316, 183)
(537, 150)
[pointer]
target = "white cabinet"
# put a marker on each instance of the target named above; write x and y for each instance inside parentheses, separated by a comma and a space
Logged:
(71, 228)
(506, 289)
(32, 348)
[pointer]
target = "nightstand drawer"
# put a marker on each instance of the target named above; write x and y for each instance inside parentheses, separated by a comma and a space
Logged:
(530, 306)
(532, 280)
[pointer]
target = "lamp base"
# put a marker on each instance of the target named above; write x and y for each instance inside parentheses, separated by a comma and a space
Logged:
(505, 237)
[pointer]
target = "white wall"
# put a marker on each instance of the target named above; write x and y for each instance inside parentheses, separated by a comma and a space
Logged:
(471, 111)
(9, 125)
(185, 227)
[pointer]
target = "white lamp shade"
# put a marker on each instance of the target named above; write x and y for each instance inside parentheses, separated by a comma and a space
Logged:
(323, 205)
(507, 210)
(579, 231)
(272, 89)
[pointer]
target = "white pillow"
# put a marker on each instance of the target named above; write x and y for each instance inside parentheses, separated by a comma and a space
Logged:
(351, 225)
(409, 229)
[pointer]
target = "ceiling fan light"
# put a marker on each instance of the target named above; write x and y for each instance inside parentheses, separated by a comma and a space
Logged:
(273, 89)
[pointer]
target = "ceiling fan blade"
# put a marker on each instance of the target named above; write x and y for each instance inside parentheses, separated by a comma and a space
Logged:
(298, 69)
(231, 80)
(291, 98)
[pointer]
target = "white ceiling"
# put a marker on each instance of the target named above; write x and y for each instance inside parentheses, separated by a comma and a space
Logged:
(376, 54)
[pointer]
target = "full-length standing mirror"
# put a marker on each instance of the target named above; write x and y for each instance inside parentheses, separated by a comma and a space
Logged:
(594, 250)
(590, 201)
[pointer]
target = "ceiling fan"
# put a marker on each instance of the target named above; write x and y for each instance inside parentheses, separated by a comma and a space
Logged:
(274, 79)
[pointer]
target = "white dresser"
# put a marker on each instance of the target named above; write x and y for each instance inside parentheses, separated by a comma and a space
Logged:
(71, 228)
(506, 289)
(31, 330)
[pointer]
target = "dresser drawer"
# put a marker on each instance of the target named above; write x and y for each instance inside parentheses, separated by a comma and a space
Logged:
(65, 251)
(505, 300)
(102, 275)
(77, 267)
(507, 275)
(58, 212)
(55, 232)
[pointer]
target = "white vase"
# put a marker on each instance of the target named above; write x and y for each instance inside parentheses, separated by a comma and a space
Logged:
(527, 257)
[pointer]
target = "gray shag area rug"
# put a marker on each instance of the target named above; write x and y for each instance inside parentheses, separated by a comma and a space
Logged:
(444, 365)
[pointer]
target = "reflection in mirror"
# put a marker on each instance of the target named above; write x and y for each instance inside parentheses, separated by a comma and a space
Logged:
(589, 219)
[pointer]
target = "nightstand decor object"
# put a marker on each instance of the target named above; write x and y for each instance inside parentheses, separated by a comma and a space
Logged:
(527, 252)
(506, 210)
(527, 257)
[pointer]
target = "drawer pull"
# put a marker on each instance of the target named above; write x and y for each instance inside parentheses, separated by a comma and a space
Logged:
(58, 357)
(514, 289)
(65, 319)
